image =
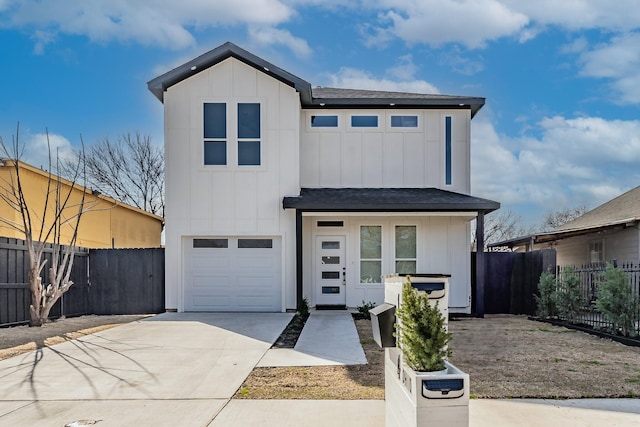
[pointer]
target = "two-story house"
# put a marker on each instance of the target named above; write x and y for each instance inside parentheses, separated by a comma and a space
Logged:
(277, 191)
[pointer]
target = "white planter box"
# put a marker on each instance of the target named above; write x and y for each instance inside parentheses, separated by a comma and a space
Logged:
(421, 399)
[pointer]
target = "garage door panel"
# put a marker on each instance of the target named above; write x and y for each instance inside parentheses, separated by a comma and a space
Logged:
(247, 302)
(233, 278)
(205, 302)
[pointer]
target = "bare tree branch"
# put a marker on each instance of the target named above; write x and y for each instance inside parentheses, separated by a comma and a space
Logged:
(555, 219)
(129, 169)
(47, 220)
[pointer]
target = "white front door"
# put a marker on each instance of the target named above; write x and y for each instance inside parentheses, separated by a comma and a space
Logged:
(330, 270)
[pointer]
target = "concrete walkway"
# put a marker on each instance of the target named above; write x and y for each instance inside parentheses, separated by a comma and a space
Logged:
(181, 369)
(328, 338)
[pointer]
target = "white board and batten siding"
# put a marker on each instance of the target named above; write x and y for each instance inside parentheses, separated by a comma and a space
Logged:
(442, 247)
(348, 157)
(231, 200)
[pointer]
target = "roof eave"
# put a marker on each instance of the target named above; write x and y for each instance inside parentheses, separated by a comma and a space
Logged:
(160, 84)
(473, 104)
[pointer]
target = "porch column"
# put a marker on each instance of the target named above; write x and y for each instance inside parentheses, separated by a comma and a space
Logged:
(299, 296)
(480, 267)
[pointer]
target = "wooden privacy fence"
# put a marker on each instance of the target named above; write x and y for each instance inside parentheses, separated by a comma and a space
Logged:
(106, 281)
(511, 280)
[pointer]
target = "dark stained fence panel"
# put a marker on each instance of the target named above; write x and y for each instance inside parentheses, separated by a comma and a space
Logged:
(106, 281)
(127, 281)
(511, 280)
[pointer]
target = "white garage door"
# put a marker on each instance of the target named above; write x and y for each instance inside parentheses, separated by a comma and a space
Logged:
(233, 274)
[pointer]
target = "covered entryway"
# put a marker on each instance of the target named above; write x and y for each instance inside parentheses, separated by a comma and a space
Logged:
(233, 274)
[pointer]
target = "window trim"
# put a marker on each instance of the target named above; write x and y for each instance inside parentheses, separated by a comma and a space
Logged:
(448, 150)
(311, 114)
(232, 133)
(364, 128)
(380, 260)
(418, 114)
(602, 251)
(395, 247)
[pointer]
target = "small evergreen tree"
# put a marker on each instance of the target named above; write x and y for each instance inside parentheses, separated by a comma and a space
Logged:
(422, 332)
(568, 297)
(616, 300)
(547, 290)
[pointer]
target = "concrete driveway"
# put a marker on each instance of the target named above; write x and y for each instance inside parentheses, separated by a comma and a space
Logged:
(176, 369)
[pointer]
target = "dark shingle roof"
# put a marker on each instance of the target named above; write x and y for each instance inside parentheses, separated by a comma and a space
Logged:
(311, 98)
(337, 97)
(386, 200)
(625, 207)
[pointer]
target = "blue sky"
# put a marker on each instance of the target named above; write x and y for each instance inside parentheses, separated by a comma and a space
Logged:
(560, 128)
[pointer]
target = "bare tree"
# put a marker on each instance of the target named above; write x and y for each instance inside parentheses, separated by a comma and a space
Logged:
(129, 169)
(43, 224)
(500, 226)
(555, 219)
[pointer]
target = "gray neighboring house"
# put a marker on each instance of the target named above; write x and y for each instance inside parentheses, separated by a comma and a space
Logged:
(607, 233)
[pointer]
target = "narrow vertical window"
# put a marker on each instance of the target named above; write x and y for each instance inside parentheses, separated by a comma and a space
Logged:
(371, 254)
(215, 133)
(447, 148)
(405, 239)
(248, 134)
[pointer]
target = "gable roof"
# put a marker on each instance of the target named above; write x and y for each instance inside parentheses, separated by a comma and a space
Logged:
(311, 98)
(618, 213)
(624, 208)
(386, 200)
(227, 50)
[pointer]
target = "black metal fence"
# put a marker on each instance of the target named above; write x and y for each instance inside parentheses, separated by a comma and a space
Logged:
(590, 277)
(109, 281)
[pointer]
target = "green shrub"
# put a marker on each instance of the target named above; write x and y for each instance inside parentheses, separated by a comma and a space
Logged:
(364, 309)
(303, 307)
(422, 332)
(616, 300)
(568, 297)
(546, 300)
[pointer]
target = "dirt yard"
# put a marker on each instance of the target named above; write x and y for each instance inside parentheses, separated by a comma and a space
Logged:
(506, 356)
(21, 339)
(511, 356)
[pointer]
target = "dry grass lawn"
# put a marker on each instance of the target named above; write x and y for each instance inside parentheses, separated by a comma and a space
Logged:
(506, 356)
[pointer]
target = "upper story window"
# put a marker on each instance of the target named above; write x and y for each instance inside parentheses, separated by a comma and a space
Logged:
(324, 121)
(404, 121)
(364, 121)
(245, 140)
(447, 151)
(215, 133)
(249, 134)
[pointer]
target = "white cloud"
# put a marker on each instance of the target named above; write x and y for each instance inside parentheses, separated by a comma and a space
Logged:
(36, 149)
(619, 61)
(358, 79)
(437, 22)
(165, 23)
(573, 161)
(269, 36)
(619, 15)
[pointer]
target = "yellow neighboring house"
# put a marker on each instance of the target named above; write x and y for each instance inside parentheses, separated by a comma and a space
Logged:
(107, 224)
